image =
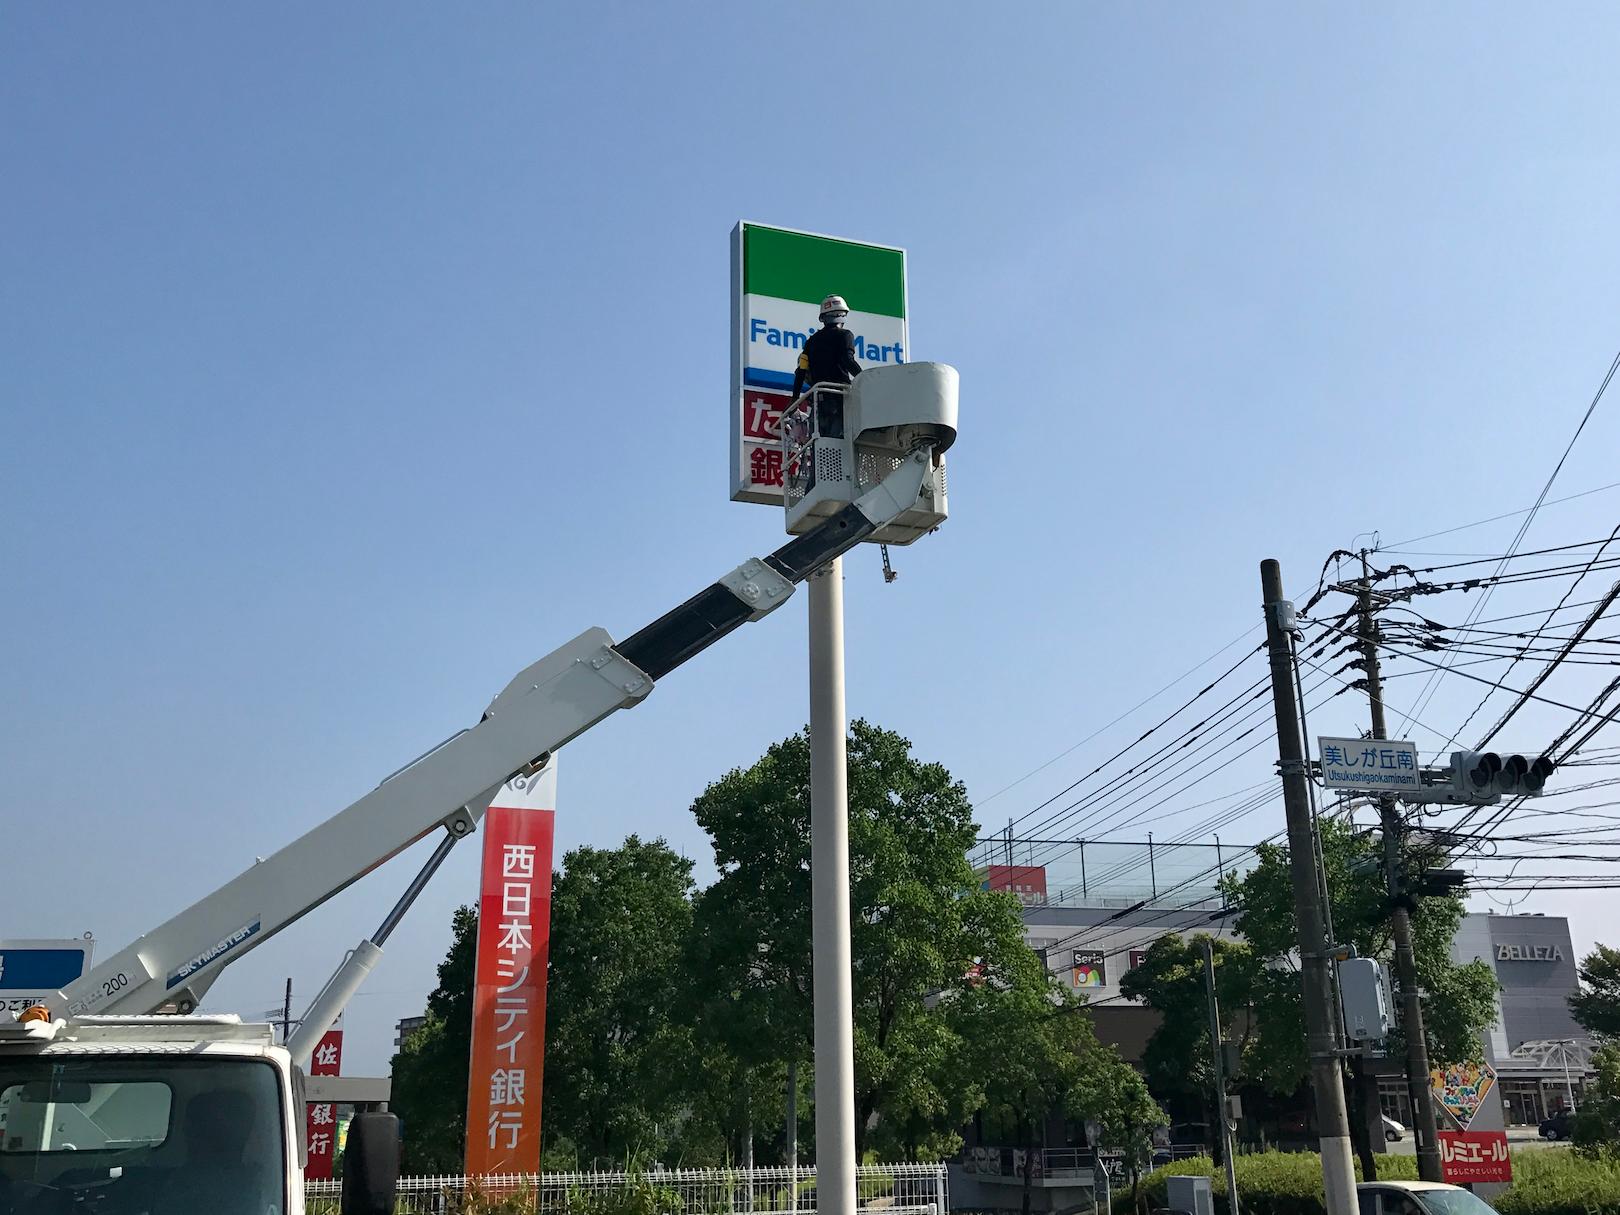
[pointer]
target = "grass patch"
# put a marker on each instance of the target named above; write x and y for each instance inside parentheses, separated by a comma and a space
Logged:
(1552, 1181)
(1546, 1181)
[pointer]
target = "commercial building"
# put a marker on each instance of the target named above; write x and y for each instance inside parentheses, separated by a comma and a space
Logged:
(1091, 910)
(1541, 1054)
(404, 1028)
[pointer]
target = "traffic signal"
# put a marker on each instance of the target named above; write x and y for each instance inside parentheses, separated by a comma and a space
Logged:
(1439, 881)
(1409, 888)
(1487, 774)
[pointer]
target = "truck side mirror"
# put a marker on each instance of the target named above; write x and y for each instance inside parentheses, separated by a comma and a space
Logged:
(371, 1165)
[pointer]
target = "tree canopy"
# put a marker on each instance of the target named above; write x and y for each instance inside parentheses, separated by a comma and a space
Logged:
(1461, 998)
(1035, 1051)
(1597, 1005)
(430, 1070)
(675, 1016)
(920, 922)
(619, 921)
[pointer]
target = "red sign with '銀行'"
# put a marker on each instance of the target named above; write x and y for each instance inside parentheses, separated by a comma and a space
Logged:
(509, 993)
(320, 1118)
(1467, 1156)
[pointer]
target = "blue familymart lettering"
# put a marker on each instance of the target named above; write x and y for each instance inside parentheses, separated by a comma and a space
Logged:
(760, 330)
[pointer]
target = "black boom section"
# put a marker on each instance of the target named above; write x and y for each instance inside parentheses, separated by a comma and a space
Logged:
(687, 630)
(804, 555)
(714, 611)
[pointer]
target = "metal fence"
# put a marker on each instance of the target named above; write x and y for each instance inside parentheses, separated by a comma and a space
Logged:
(1108, 873)
(895, 1189)
(1067, 1163)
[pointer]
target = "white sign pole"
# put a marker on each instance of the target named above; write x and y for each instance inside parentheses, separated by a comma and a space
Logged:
(829, 899)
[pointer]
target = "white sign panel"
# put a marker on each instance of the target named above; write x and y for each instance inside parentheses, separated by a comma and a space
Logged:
(1387, 766)
(778, 279)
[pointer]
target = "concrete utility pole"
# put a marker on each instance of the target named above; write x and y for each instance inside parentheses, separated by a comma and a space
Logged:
(1425, 1132)
(834, 1003)
(1216, 1048)
(1327, 1079)
(792, 1132)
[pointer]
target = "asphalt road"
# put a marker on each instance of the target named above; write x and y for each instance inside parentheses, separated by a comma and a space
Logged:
(1518, 1136)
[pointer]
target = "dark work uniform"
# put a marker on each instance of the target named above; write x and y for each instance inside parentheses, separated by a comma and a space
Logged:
(828, 357)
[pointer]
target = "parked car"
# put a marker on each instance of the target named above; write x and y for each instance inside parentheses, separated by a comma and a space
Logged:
(1419, 1198)
(1558, 1126)
(1394, 1132)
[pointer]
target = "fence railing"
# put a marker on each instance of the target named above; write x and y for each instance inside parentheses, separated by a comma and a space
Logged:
(894, 1189)
(1054, 1164)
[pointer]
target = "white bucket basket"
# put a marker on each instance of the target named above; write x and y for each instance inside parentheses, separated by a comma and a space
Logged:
(839, 442)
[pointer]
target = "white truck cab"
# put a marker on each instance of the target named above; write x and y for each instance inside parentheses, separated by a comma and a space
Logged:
(149, 1115)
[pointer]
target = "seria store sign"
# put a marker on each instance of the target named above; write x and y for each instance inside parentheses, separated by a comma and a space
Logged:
(778, 279)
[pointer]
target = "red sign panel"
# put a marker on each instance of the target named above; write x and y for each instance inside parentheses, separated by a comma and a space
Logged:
(1467, 1156)
(320, 1117)
(762, 411)
(509, 998)
(1027, 883)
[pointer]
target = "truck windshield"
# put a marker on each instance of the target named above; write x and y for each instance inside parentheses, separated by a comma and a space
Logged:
(138, 1134)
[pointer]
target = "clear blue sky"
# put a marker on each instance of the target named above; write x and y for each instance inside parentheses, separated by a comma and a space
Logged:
(355, 356)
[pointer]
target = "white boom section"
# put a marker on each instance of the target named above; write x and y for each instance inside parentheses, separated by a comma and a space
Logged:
(550, 702)
(547, 704)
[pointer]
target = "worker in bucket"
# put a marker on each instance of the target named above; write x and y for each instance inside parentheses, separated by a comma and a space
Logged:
(828, 357)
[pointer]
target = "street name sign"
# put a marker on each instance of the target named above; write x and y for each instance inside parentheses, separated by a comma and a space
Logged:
(1375, 765)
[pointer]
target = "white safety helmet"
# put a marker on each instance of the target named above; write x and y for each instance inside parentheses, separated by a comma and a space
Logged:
(833, 308)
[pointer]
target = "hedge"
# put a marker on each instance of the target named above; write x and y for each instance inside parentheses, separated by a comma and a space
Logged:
(1546, 1181)
(1555, 1181)
(1269, 1183)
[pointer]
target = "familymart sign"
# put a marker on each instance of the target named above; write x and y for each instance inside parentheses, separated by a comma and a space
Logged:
(778, 280)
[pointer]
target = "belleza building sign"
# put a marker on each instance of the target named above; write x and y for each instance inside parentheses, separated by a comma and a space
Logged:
(1528, 953)
(778, 279)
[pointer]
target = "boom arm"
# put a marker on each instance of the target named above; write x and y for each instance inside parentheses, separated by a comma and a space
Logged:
(547, 704)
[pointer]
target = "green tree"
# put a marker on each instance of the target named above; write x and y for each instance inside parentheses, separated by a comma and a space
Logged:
(430, 1070)
(1127, 1119)
(615, 1055)
(1178, 1059)
(1597, 1005)
(1597, 1126)
(920, 921)
(1461, 999)
(1034, 1051)
(748, 957)
(615, 1052)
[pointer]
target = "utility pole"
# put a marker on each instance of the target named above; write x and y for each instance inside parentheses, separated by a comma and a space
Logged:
(833, 990)
(1425, 1131)
(286, 1013)
(1327, 1080)
(1217, 1048)
(792, 1130)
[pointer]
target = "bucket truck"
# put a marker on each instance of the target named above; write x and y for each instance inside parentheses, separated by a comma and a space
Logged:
(117, 1098)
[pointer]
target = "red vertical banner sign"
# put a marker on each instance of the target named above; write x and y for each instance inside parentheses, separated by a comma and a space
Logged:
(509, 995)
(320, 1117)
